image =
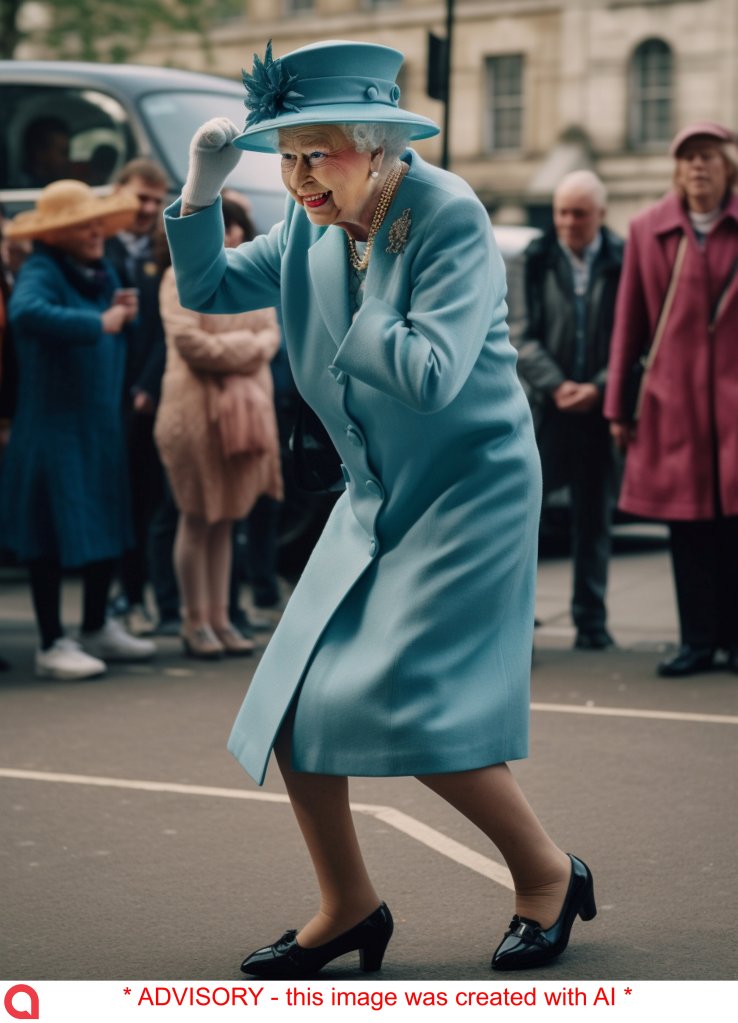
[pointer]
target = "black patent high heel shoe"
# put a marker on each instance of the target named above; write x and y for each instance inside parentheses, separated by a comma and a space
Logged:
(526, 944)
(286, 960)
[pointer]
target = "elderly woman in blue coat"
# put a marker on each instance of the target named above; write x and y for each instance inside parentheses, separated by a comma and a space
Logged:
(405, 648)
(64, 485)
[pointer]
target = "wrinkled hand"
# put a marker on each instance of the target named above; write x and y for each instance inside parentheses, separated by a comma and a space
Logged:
(212, 158)
(115, 318)
(622, 434)
(573, 397)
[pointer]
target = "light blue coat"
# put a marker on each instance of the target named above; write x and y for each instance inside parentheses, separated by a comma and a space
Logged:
(406, 644)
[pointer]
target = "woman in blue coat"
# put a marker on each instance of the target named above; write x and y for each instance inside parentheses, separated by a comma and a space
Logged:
(405, 648)
(65, 488)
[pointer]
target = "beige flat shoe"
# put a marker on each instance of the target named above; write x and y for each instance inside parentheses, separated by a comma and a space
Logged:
(201, 643)
(233, 643)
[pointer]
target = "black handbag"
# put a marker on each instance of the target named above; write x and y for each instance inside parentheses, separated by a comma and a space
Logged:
(316, 464)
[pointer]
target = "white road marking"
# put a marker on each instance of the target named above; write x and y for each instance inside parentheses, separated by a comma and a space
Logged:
(415, 829)
(628, 712)
(394, 818)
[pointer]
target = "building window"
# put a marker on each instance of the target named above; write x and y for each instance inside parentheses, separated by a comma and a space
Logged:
(505, 92)
(298, 6)
(651, 85)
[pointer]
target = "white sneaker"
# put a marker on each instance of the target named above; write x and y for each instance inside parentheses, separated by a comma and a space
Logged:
(139, 622)
(113, 643)
(65, 658)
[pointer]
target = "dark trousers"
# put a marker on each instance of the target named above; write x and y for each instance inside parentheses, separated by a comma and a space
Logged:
(162, 531)
(255, 555)
(705, 564)
(46, 582)
(576, 451)
(154, 522)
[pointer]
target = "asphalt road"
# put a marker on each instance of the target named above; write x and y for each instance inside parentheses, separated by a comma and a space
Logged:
(132, 845)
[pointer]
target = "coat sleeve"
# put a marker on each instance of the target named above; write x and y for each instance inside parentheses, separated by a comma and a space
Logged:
(38, 307)
(423, 357)
(241, 351)
(630, 331)
(212, 279)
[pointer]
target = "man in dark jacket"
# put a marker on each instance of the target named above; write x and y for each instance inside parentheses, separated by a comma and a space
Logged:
(133, 254)
(571, 279)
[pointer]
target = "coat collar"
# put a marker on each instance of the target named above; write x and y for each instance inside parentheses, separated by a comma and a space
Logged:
(670, 215)
(329, 269)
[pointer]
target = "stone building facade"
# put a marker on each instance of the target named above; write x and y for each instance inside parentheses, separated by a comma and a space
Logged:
(538, 87)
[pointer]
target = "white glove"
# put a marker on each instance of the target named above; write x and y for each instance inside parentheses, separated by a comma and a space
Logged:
(212, 158)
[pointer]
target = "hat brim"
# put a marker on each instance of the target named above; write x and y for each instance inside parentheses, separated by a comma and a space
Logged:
(117, 213)
(257, 137)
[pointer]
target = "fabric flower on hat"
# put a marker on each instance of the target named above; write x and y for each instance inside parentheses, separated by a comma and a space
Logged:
(268, 89)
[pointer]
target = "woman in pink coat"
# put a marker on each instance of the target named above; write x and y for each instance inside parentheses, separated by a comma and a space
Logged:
(217, 435)
(682, 457)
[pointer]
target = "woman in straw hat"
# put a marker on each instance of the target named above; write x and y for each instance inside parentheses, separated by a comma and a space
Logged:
(64, 489)
(405, 648)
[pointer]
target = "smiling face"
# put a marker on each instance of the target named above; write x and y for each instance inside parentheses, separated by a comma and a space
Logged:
(84, 242)
(323, 172)
(702, 173)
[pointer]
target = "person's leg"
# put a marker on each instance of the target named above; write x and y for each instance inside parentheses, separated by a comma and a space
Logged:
(219, 554)
(97, 577)
(161, 538)
(592, 497)
(190, 563)
(45, 577)
(492, 799)
(263, 527)
(694, 561)
(321, 806)
(727, 584)
(133, 567)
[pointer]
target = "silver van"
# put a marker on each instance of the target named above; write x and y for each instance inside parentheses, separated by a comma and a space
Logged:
(115, 112)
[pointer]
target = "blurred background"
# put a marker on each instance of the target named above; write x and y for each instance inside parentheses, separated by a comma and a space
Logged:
(535, 88)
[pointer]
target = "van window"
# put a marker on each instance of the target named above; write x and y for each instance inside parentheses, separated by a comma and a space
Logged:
(52, 132)
(174, 117)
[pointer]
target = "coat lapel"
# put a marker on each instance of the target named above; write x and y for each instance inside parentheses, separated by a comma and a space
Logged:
(329, 270)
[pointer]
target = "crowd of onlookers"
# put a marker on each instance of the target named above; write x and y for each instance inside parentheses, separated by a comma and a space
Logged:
(138, 435)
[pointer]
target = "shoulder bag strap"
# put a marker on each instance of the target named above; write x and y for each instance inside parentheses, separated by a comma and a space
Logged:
(718, 307)
(663, 317)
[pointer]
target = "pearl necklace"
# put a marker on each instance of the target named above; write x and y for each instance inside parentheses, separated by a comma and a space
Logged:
(385, 201)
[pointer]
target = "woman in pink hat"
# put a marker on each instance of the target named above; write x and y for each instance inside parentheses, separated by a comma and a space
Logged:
(677, 313)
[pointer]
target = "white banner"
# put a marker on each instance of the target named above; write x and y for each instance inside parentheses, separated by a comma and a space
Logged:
(125, 1001)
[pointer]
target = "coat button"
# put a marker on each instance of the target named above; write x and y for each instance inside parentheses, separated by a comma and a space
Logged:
(338, 375)
(372, 548)
(373, 488)
(354, 437)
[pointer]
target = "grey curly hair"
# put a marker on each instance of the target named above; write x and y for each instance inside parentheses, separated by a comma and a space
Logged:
(365, 136)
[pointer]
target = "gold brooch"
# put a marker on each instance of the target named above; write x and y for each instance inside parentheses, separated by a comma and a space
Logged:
(398, 233)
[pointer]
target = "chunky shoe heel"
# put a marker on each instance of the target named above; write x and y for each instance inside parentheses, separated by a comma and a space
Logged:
(370, 958)
(286, 960)
(527, 945)
(588, 910)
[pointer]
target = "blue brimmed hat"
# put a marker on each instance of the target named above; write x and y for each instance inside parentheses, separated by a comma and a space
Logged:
(333, 82)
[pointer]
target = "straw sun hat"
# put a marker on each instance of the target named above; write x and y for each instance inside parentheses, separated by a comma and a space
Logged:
(69, 203)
